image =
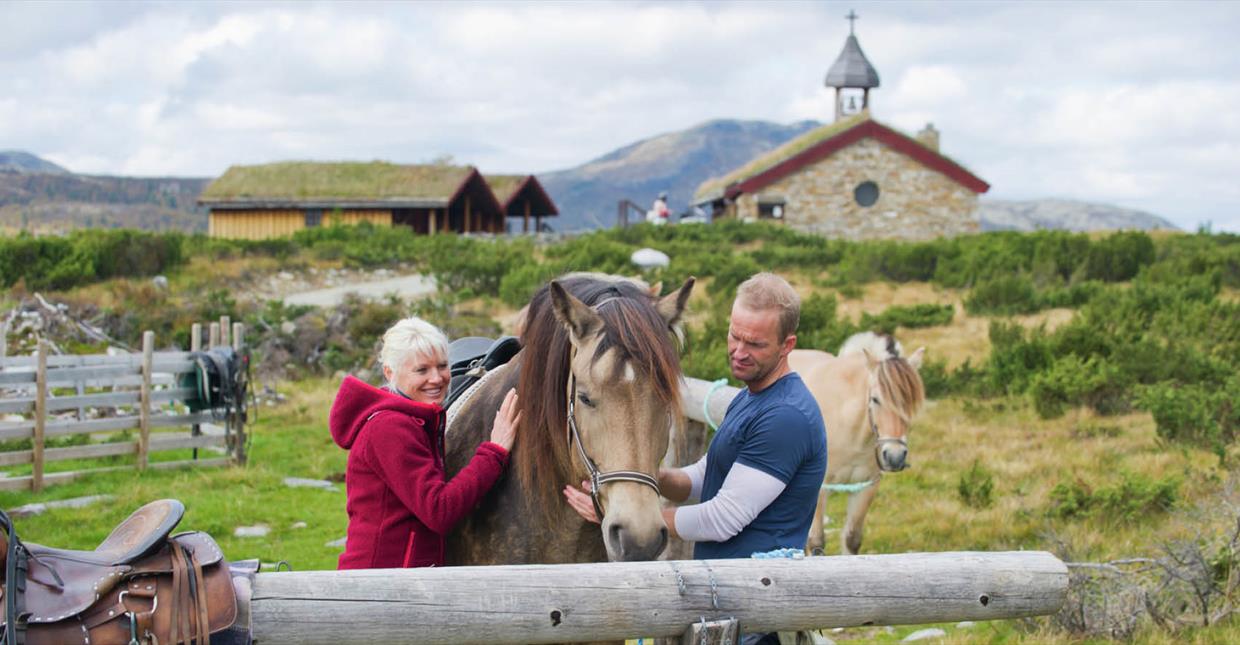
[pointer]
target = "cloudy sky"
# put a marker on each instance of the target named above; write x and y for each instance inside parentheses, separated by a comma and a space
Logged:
(1136, 104)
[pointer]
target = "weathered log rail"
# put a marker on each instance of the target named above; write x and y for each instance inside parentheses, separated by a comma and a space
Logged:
(585, 602)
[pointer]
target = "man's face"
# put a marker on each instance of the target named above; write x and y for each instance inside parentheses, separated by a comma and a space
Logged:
(754, 345)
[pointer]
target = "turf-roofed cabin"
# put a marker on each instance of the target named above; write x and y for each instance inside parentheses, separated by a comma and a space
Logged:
(271, 200)
(523, 196)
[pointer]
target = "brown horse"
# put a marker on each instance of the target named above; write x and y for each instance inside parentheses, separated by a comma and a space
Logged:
(868, 395)
(609, 345)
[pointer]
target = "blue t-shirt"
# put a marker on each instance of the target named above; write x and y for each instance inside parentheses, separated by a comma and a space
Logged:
(778, 431)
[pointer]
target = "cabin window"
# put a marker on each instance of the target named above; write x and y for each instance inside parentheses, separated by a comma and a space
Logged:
(314, 217)
(771, 209)
(866, 193)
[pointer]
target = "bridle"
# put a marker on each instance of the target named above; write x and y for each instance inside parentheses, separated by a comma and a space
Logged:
(597, 477)
(880, 440)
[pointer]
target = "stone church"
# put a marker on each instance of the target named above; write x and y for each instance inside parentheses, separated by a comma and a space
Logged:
(854, 178)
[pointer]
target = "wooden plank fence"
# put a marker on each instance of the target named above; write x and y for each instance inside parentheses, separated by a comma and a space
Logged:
(147, 384)
(618, 600)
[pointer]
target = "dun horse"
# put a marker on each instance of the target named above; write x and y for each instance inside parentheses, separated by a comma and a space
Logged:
(868, 396)
(599, 380)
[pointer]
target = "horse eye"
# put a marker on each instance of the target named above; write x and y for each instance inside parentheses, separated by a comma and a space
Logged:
(585, 400)
(875, 401)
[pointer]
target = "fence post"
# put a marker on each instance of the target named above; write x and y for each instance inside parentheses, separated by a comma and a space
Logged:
(238, 341)
(195, 345)
(144, 420)
(4, 338)
(40, 418)
(213, 339)
(225, 327)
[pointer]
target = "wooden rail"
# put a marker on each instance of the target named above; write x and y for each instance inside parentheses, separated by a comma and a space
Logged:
(611, 601)
(146, 383)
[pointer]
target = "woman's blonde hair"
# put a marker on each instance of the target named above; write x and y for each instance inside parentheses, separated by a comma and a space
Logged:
(412, 337)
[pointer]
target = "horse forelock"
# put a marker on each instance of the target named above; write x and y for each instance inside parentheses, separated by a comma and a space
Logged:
(901, 387)
(879, 346)
(629, 326)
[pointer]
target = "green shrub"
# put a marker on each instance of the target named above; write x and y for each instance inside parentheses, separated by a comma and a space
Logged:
(976, 486)
(1119, 257)
(909, 317)
(1071, 381)
(1132, 499)
(1003, 295)
(1197, 414)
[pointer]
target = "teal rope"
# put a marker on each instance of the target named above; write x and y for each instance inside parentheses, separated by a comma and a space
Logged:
(779, 554)
(706, 402)
(849, 488)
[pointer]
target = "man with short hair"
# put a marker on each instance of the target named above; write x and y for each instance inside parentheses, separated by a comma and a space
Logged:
(759, 480)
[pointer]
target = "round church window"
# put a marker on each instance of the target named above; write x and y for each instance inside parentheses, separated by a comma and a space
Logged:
(866, 193)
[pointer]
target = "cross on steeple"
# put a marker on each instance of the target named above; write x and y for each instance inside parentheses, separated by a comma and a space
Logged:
(852, 19)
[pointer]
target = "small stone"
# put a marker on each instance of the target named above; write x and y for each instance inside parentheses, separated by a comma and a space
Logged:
(288, 327)
(284, 275)
(160, 282)
(300, 482)
(299, 525)
(337, 544)
(965, 624)
(76, 502)
(924, 634)
(251, 531)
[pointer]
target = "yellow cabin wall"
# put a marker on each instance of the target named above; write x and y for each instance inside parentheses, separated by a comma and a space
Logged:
(263, 224)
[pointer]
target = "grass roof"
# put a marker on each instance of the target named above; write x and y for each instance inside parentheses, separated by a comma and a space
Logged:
(714, 187)
(375, 180)
(504, 185)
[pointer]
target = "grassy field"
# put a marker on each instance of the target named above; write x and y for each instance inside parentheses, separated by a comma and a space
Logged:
(923, 509)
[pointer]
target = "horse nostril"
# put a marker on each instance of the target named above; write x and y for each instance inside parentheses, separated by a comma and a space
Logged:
(662, 541)
(615, 533)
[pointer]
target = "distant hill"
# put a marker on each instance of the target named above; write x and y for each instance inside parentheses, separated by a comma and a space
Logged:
(43, 199)
(675, 162)
(17, 161)
(679, 161)
(1064, 214)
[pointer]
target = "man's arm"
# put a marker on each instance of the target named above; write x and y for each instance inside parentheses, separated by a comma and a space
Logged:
(683, 484)
(745, 493)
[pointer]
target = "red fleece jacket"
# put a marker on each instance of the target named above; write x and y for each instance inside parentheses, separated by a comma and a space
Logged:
(400, 508)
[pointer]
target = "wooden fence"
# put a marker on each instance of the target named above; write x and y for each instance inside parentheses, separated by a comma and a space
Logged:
(141, 391)
(611, 601)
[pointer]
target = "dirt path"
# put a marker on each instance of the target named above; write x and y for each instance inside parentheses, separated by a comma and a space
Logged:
(407, 287)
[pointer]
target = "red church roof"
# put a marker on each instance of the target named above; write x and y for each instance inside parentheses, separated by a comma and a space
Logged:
(820, 143)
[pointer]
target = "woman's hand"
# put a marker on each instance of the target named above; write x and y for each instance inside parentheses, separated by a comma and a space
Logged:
(581, 502)
(504, 432)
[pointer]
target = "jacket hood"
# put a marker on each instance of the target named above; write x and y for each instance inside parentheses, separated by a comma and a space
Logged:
(357, 401)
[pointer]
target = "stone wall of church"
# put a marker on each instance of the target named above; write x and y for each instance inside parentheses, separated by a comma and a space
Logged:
(914, 202)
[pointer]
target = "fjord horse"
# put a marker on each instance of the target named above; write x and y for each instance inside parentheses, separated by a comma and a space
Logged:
(599, 382)
(868, 395)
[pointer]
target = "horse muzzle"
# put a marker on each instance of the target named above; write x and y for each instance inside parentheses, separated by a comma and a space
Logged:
(893, 457)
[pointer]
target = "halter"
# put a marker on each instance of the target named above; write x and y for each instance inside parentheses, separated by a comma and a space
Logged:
(880, 440)
(598, 478)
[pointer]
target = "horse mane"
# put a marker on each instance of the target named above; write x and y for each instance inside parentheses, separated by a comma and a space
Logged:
(898, 382)
(631, 325)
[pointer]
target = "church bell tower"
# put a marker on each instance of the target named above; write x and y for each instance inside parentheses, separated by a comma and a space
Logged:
(851, 75)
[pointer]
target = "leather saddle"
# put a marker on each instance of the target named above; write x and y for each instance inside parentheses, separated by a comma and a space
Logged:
(142, 585)
(470, 358)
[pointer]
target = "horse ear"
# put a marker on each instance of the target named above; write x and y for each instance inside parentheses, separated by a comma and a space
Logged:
(578, 318)
(656, 289)
(869, 358)
(916, 358)
(672, 305)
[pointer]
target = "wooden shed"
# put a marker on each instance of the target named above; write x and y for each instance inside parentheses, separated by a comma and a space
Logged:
(271, 200)
(523, 196)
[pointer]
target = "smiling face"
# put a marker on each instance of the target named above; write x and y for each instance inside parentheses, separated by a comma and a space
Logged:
(422, 378)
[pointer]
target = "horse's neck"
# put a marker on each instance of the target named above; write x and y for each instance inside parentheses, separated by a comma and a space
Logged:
(850, 441)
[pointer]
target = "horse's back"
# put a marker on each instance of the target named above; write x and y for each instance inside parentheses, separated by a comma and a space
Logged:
(803, 361)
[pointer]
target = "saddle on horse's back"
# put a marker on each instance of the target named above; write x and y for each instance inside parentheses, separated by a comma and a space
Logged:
(471, 357)
(141, 585)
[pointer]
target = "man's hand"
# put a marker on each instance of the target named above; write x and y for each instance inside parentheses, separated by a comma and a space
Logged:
(674, 484)
(581, 501)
